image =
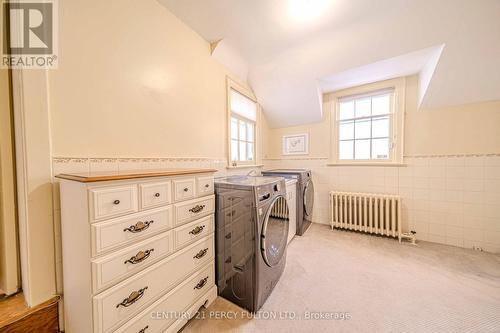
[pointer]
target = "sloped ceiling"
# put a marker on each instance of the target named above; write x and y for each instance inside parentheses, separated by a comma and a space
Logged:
(296, 49)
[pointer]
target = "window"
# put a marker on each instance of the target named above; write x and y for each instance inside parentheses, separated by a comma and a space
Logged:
(364, 126)
(243, 117)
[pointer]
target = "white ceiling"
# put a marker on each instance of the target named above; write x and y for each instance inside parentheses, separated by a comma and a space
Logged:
(292, 57)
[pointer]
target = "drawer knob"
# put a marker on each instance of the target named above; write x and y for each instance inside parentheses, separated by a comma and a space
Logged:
(116, 202)
(139, 226)
(197, 230)
(202, 283)
(207, 185)
(143, 330)
(157, 194)
(139, 257)
(197, 209)
(201, 254)
(186, 189)
(132, 298)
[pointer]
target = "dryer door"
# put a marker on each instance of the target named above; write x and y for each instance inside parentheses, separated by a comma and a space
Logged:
(273, 238)
(308, 199)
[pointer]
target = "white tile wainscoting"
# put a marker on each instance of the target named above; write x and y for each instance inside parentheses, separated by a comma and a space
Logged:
(84, 164)
(452, 200)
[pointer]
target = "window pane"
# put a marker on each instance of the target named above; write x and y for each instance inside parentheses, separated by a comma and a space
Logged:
(234, 128)
(363, 107)
(381, 105)
(380, 149)
(363, 129)
(234, 150)
(362, 149)
(250, 132)
(346, 110)
(380, 127)
(346, 150)
(243, 130)
(346, 130)
(243, 151)
(250, 151)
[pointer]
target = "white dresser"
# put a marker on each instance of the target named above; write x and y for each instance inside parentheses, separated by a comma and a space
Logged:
(138, 249)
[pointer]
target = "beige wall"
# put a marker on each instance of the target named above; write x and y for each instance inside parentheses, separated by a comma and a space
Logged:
(134, 81)
(467, 129)
(449, 183)
(9, 277)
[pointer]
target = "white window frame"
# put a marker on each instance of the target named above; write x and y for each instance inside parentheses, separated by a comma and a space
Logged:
(232, 85)
(245, 120)
(396, 144)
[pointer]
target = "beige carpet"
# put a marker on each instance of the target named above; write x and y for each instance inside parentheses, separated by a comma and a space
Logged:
(381, 285)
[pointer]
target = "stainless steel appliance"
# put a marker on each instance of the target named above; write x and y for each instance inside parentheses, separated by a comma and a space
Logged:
(251, 238)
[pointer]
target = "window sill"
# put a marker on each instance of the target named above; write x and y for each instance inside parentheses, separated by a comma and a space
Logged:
(392, 164)
(245, 166)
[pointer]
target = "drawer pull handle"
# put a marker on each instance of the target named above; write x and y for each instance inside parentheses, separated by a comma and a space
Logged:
(157, 194)
(202, 283)
(116, 202)
(207, 185)
(197, 230)
(197, 209)
(186, 189)
(139, 257)
(201, 254)
(143, 330)
(132, 298)
(139, 226)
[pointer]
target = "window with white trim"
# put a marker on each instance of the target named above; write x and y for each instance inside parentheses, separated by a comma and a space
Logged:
(365, 125)
(243, 122)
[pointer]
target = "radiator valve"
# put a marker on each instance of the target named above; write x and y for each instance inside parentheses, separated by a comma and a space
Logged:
(410, 236)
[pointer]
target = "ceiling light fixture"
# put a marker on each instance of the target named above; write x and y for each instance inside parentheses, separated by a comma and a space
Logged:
(307, 10)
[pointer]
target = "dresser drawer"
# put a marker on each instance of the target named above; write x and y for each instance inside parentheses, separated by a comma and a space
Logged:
(108, 202)
(121, 302)
(199, 287)
(193, 209)
(190, 232)
(184, 189)
(155, 194)
(110, 269)
(124, 230)
(205, 186)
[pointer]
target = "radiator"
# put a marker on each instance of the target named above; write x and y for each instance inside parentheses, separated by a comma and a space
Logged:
(371, 213)
(280, 209)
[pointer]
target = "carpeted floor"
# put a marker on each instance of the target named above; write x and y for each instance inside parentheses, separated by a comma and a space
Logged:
(375, 284)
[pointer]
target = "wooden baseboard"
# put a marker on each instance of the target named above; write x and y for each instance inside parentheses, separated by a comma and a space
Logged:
(16, 317)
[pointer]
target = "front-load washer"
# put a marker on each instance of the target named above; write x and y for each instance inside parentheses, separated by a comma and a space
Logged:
(305, 194)
(251, 237)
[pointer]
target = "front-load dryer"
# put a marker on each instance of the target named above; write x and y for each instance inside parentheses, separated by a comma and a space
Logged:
(305, 194)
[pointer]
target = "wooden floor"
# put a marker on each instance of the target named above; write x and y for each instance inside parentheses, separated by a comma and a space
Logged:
(17, 317)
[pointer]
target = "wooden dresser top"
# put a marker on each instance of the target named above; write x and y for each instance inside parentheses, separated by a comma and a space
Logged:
(90, 177)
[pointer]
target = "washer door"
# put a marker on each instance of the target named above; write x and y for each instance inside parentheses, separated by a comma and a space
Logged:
(274, 234)
(308, 198)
